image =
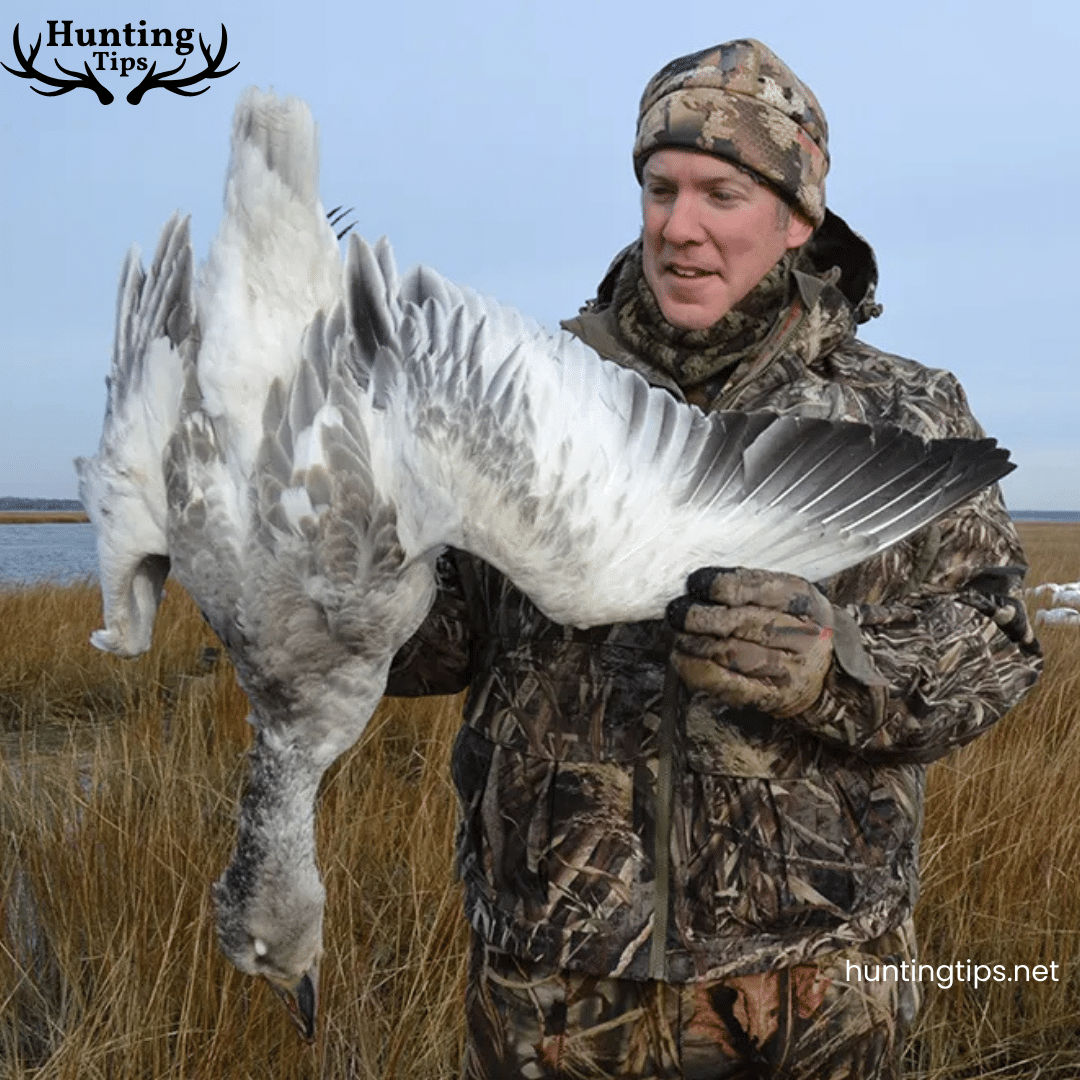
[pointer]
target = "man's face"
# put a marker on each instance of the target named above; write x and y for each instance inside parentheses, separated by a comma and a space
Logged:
(710, 235)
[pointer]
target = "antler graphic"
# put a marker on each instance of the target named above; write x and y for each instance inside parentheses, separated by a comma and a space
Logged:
(89, 80)
(151, 80)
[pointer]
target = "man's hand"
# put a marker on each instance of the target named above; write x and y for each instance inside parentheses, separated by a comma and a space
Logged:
(753, 637)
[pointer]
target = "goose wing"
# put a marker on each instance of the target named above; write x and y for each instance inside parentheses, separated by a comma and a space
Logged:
(208, 516)
(596, 493)
(122, 486)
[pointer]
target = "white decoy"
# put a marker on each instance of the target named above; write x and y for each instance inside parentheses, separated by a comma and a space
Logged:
(1058, 616)
(297, 443)
(1063, 595)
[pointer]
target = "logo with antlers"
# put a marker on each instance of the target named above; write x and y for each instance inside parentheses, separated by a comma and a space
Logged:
(60, 34)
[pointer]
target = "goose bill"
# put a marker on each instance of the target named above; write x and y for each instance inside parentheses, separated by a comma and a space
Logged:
(301, 1000)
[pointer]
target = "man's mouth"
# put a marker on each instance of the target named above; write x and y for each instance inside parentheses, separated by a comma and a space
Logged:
(689, 271)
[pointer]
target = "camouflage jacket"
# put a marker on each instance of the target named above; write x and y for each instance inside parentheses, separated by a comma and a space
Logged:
(789, 838)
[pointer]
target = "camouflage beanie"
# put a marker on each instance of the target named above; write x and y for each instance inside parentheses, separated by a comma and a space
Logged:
(741, 102)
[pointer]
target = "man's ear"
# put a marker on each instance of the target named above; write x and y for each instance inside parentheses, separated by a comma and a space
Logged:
(799, 230)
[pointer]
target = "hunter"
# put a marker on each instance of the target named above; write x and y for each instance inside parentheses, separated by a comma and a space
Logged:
(679, 839)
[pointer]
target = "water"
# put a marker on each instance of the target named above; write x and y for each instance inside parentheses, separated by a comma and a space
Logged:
(57, 552)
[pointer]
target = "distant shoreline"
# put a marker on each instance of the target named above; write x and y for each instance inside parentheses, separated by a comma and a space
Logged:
(21, 504)
(43, 517)
(1045, 515)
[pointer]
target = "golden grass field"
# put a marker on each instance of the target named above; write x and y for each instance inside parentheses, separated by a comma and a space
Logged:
(118, 790)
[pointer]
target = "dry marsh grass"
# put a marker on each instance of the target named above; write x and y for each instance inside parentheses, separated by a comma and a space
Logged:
(118, 787)
(118, 790)
(1001, 868)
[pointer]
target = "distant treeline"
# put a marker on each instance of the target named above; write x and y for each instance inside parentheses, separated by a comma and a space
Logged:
(9, 502)
(1045, 515)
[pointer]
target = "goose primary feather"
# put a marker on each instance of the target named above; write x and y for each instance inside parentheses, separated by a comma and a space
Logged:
(296, 438)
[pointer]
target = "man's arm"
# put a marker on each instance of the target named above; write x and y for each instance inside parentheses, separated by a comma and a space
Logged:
(954, 656)
(911, 675)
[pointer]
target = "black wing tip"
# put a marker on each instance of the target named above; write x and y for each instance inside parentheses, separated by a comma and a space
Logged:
(983, 458)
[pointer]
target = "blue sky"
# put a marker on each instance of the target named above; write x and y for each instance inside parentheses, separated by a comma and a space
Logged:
(492, 140)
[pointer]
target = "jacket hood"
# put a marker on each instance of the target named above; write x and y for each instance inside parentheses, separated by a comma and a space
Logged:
(836, 244)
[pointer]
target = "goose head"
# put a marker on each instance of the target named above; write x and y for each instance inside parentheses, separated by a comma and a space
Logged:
(272, 926)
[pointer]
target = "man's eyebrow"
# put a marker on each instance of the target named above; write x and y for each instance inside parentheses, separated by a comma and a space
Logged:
(738, 178)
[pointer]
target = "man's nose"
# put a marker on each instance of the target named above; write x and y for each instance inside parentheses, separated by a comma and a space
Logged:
(683, 225)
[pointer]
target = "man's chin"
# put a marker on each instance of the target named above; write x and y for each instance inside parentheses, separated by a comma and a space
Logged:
(693, 313)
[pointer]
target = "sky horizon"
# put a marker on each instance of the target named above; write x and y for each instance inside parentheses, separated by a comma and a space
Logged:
(492, 142)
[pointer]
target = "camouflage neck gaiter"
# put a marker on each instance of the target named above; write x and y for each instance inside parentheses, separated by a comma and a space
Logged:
(691, 356)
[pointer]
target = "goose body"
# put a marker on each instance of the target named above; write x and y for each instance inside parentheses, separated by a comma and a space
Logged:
(296, 438)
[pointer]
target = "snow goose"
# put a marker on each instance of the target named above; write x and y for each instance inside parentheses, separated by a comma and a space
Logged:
(296, 441)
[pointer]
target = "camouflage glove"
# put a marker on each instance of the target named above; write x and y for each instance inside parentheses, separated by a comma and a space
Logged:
(753, 637)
